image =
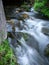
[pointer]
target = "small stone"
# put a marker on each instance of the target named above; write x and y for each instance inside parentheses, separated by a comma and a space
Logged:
(17, 11)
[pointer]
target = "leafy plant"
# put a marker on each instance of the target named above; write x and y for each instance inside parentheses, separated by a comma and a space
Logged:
(6, 54)
(41, 6)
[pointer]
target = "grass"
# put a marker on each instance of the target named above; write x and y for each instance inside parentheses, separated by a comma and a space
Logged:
(7, 56)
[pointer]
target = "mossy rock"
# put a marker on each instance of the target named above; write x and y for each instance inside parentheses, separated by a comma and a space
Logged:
(24, 16)
(25, 36)
(45, 31)
(46, 51)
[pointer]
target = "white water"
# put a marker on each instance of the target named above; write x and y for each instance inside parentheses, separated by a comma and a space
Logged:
(29, 55)
(33, 28)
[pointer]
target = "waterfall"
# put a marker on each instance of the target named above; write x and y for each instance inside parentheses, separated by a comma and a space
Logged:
(31, 51)
(33, 28)
(27, 55)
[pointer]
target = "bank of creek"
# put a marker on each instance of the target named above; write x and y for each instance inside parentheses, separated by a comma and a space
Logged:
(28, 35)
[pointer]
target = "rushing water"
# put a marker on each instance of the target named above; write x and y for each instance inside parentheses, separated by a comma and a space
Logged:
(31, 51)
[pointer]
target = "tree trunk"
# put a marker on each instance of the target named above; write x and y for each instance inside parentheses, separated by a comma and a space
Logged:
(3, 32)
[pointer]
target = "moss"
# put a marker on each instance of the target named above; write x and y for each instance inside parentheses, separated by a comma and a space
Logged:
(6, 54)
(41, 6)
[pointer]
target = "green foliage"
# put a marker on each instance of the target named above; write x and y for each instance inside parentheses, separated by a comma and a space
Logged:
(41, 6)
(45, 11)
(6, 54)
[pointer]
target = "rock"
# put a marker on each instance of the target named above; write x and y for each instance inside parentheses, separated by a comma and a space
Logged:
(45, 31)
(13, 21)
(11, 24)
(25, 36)
(19, 25)
(10, 21)
(19, 10)
(46, 51)
(25, 16)
(10, 35)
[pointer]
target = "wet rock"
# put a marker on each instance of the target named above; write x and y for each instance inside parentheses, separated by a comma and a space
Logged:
(46, 51)
(11, 25)
(25, 16)
(30, 41)
(13, 42)
(12, 21)
(9, 34)
(18, 10)
(45, 31)
(25, 36)
(19, 25)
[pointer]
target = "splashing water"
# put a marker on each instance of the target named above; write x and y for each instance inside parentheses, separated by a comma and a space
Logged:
(28, 55)
(34, 30)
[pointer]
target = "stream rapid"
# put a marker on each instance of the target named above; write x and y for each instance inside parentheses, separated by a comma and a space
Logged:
(30, 39)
